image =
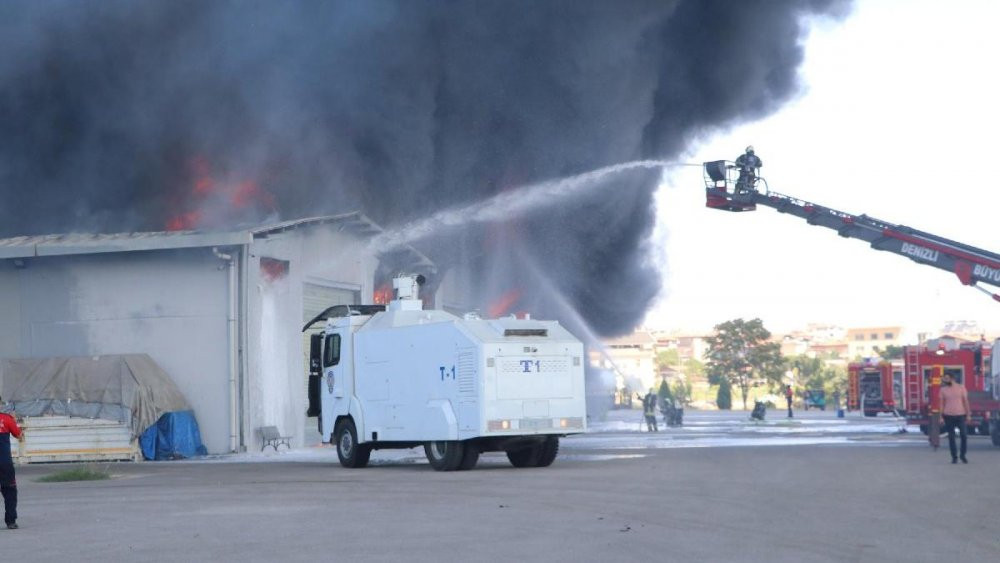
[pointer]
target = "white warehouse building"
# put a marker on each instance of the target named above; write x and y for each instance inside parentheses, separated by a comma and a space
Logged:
(220, 312)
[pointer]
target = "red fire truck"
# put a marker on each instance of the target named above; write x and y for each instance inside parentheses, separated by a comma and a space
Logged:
(967, 362)
(726, 191)
(873, 386)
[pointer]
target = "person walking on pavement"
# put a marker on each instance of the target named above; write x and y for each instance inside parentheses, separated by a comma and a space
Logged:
(8, 484)
(788, 399)
(649, 410)
(956, 414)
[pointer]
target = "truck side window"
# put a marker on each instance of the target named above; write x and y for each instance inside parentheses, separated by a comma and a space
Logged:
(331, 350)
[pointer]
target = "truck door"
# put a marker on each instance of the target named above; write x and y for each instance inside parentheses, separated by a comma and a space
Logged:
(336, 387)
(315, 378)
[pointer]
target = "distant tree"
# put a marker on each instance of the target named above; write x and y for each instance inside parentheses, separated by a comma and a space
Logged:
(890, 352)
(741, 353)
(682, 390)
(664, 392)
(814, 373)
(667, 359)
(694, 369)
(724, 397)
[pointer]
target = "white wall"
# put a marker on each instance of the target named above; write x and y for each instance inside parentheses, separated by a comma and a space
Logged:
(170, 304)
(275, 375)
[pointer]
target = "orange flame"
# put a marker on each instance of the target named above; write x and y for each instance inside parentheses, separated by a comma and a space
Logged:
(504, 302)
(383, 294)
(222, 199)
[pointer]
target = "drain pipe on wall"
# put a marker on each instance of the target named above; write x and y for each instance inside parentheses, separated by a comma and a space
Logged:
(231, 326)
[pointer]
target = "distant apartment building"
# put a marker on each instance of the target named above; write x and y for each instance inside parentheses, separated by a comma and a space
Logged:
(966, 330)
(815, 341)
(829, 350)
(866, 341)
(688, 346)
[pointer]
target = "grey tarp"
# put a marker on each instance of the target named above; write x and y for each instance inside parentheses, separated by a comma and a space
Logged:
(129, 388)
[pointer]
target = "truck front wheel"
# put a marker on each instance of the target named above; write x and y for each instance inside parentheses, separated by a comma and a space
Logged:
(352, 454)
(445, 455)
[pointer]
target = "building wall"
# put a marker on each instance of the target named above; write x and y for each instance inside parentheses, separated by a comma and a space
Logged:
(276, 374)
(10, 310)
(170, 304)
(861, 342)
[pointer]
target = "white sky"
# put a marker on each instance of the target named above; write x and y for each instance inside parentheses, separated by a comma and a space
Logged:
(899, 120)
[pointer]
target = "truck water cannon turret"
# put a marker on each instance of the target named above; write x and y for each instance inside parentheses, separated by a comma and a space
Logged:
(407, 289)
(407, 286)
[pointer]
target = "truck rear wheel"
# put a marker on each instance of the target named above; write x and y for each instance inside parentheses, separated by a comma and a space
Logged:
(351, 454)
(549, 450)
(469, 458)
(445, 455)
(525, 457)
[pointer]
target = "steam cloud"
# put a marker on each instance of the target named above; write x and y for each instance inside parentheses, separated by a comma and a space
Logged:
(112, 113)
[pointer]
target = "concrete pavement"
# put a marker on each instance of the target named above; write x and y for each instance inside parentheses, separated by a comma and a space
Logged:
(861, 500)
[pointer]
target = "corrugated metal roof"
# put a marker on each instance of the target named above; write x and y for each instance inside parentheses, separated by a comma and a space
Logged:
(355, 222)
(90, 243)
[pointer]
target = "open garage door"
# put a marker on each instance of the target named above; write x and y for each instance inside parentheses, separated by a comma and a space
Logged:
(317, 297)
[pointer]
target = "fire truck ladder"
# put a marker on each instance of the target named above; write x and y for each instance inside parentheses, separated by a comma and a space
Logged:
(914, 383)
(972, 265)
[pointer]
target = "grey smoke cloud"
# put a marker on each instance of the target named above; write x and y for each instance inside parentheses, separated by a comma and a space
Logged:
(118, 115)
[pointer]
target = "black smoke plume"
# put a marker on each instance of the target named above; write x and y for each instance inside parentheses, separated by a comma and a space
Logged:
(121, 115)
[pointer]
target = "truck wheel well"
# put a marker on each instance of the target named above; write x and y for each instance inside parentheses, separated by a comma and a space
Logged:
(337, 423)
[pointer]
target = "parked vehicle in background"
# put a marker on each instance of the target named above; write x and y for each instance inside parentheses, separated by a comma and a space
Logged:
(870, 387)
(815, 399)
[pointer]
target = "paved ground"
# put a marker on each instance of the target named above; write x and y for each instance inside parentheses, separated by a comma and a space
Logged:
(812, 489)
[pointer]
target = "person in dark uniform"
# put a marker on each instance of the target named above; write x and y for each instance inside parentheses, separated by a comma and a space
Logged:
(649, 410)
(8, 485)
(748, 164)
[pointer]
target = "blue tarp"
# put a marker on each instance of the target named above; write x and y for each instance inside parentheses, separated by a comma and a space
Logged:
(174, 436)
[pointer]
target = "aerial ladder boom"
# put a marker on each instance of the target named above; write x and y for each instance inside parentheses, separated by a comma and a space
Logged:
(972, 265)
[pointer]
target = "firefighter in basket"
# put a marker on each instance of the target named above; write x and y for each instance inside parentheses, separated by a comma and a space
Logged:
(748, 165)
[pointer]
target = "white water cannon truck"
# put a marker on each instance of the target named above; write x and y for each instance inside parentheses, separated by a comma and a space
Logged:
(400, 376)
